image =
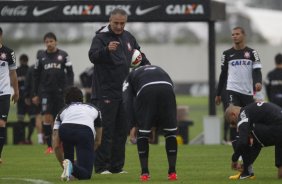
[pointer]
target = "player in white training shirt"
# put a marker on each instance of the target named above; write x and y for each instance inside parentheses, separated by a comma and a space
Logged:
(74, 129)
(8, 76)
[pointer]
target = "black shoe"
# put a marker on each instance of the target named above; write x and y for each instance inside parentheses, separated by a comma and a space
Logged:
(247, 176)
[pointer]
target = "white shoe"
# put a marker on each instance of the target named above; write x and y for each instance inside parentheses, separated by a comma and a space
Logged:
(66, 175)
(123, 172)
(105, 172)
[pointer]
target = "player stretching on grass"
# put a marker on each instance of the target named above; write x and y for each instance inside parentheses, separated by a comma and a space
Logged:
(78, 125)
(259, 125)
(150, 102)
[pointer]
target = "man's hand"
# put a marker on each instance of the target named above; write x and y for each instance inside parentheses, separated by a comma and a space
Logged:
(35, 100)
(217, 100)
(113, 46)
(237, 166)
(133, 135)
(15, 97)
(258, 86)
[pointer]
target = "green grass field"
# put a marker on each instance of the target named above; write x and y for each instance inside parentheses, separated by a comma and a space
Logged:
(197, 164)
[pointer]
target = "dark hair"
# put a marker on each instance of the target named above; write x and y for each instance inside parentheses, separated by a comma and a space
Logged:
(50, 35)
(24, 58)
(118, 11)
(1, 31)
(240, 28)
(278, 59)
(73, 94)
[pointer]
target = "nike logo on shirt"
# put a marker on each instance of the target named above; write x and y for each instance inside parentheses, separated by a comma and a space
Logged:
(38, 13)
(139, 11)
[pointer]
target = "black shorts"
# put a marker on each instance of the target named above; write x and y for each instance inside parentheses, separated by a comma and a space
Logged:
(4, 107)
(239, 99)
(156, 107)
(52, 103)
(34, 109)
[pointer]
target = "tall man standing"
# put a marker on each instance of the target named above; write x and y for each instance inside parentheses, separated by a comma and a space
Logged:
(52, 74)
(241, 71)
(8, 75)
(111, 51)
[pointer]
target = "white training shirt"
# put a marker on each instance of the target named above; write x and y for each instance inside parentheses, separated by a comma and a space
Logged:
(81, 114)
(7, 63)
(241, 63)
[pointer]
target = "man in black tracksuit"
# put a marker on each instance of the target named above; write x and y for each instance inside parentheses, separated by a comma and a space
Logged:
(150, 102)
(274, 82)
(259, 125)
(111, 51)
(52, 74)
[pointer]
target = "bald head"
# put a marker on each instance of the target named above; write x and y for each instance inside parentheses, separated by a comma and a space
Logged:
(231, 114)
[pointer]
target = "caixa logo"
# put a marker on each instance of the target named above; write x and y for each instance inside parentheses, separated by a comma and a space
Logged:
(185, 9)
(82, 10)
(14, 11)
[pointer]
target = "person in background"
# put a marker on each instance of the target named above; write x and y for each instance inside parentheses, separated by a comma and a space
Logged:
(34, 110)
(111, 52)
(77, 127)
(22, 107)
(150, 103)
(8, 77)
(274, 82)
(52, 74)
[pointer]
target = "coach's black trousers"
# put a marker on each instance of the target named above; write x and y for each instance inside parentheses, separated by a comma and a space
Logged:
(110, 155)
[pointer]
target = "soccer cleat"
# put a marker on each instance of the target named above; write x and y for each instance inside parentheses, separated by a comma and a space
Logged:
(66, 175)
(235, 177)
(145, 177)
(123, 172)
(172, 176)
(242, 176)
(105, 172)
(49, 150)
(247, 176)
(1, 161)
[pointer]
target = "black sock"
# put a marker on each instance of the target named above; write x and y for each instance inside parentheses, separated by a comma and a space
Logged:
(233, 137)
(2, 138)
(47, 134)
(171, 151)
(30, 128)
(143, 152)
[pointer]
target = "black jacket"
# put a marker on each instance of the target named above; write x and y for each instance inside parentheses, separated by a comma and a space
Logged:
(261, 121)
(274, 86)
(110, 69)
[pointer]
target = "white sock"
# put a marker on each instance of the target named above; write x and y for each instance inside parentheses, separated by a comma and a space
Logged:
(40, 138)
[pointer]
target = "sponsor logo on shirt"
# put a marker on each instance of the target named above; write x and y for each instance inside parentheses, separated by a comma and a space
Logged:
(247, 55)
(3, 56)
(240, 62)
